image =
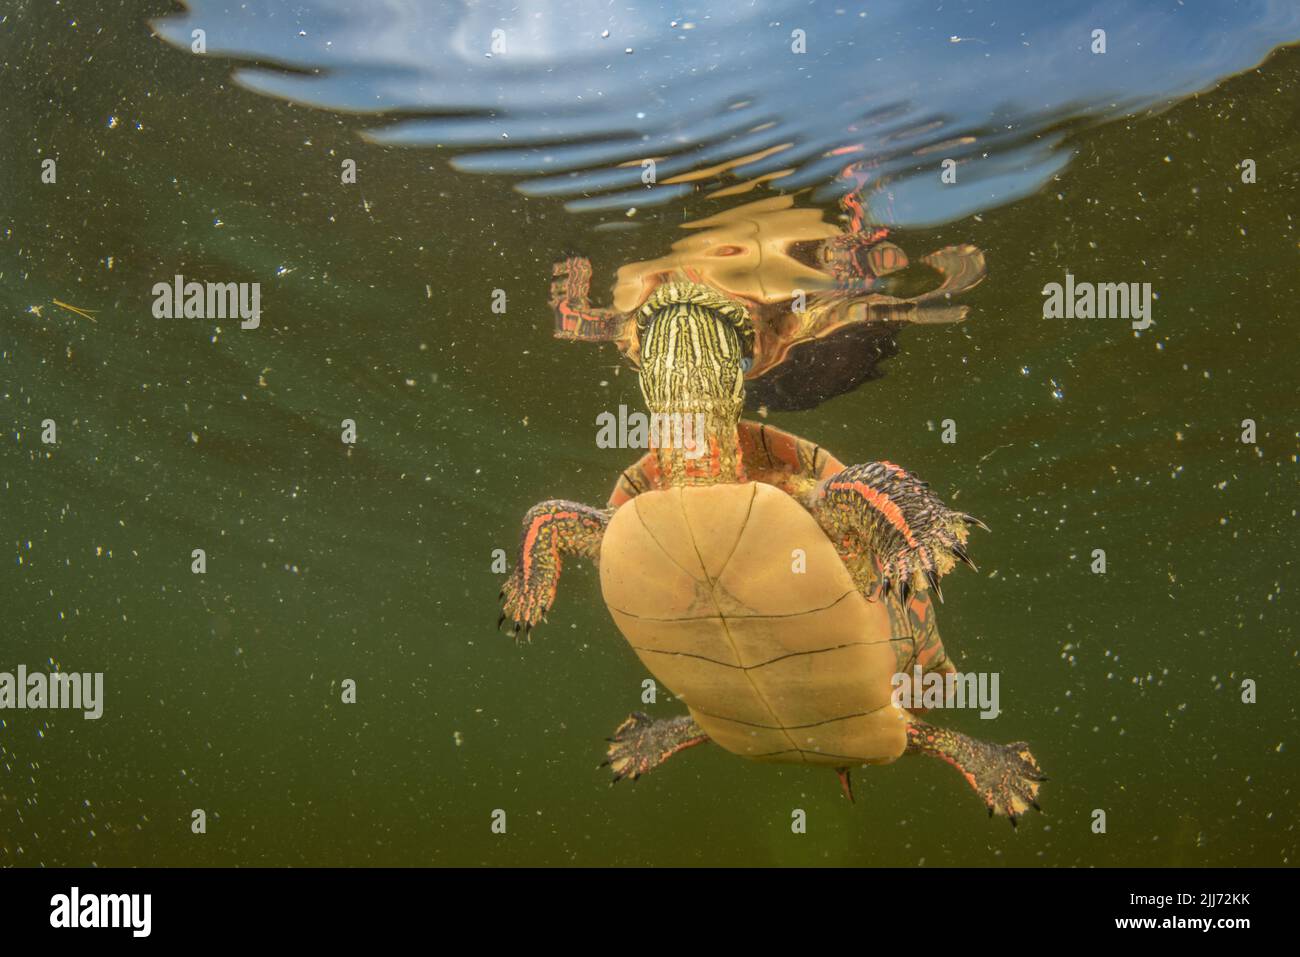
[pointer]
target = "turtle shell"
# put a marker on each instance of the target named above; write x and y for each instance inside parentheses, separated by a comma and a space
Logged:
(746, 253)
(774, 664)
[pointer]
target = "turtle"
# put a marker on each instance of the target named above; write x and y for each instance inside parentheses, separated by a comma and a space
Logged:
(822, 319)
(694, 549)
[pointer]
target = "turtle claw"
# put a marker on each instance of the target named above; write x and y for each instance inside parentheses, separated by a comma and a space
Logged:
(960, 554)
(972, 520)
(1009, 782)
(526, 604)
(933, 579)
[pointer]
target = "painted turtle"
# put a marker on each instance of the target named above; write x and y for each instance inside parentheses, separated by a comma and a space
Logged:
(822, 321)
(771, 588)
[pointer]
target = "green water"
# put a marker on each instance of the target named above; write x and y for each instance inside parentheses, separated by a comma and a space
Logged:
(373, 563)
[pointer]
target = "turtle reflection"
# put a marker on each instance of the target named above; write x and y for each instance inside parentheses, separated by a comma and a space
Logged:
(824, 299)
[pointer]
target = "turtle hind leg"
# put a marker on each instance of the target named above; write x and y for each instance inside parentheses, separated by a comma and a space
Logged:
(1006, 776)
(641, 744)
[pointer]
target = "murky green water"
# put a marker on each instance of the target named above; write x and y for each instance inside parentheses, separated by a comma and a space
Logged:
(373, 562)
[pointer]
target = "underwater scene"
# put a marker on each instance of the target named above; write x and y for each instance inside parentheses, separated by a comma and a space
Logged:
(535, 434)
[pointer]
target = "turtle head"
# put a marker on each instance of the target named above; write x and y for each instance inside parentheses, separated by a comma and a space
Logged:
(696, 346)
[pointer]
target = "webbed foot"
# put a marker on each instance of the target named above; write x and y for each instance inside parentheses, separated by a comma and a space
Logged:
(1005, 776)
(641, 744)
(525, 602)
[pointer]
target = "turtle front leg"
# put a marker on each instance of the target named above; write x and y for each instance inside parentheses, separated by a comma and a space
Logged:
(1006, 776)
(552, 531)
(641, 744)
(891, 530)
(575, 317)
